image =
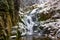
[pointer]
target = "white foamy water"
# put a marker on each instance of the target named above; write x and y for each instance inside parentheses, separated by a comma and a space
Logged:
(30, 20)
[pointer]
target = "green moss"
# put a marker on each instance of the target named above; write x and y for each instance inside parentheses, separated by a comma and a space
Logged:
(45, 16)
(9, 16)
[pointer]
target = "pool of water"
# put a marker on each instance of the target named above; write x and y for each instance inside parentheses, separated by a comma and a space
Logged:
(34, 38)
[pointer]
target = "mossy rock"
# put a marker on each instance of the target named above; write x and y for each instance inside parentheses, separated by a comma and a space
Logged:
(46, 16)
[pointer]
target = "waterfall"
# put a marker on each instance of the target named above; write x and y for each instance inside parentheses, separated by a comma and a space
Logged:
(30, 20)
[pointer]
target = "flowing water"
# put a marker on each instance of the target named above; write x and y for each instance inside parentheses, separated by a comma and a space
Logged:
(31, 21)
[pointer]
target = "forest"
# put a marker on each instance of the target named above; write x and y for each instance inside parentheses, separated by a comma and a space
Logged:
(29, 19)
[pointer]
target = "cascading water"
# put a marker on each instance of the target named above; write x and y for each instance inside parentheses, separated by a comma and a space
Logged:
(30, 21)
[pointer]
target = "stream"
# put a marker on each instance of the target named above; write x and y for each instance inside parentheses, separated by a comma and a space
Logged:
(31, 22)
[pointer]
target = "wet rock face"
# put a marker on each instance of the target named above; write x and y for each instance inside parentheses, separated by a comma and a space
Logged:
(24, 3)
(58, 33)
(48, 16)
